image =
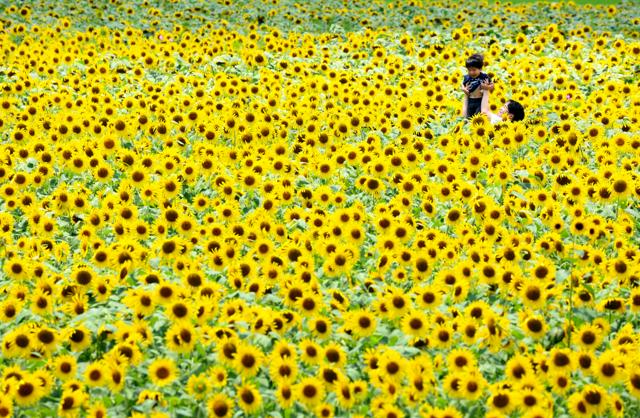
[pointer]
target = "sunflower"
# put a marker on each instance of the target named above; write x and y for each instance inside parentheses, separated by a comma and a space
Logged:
(181, 338)
(16, 269)
(361, 323)
(334, 354)
(79, 338)
(324, 410)
(442, 335)
(249, 398)
(217, 376)
(561, 359)
(41, 303)
(503, 401)
(140, 302)
(220, 406)
(283, 370)
(608, 368)
(64, 367)
(472, 385)
(227, 350)
(344, 393)
(83, 275)
(533, 325)
(164, 292)
(589, 337)
(162, 371)
(97, 410)
(115, 377)
(452, 384)
(311, 352)
(391, 365)
(309, 304)
(126, 353)
(320, 327)
(560, 382)
(284, 349)
(95, 374)
(596, 399)
(533, 295)
(6, 407)
(156, 397)
(461, 359)
(578, 407)
(19, 343)
(46, 339)
(70, 403)
(397, 302)
(616, 405)
(247, 360)
(415, 323)
(419, 386)
(285, 395)
(518, 367)
(28, 391)
(632, 383)
(330, 375)
(310, 392)
(428, 297)
(198, 386)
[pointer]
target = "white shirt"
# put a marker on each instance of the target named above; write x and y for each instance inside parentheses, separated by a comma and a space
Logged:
(493, 118)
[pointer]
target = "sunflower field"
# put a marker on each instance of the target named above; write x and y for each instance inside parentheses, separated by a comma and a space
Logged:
(274, 208)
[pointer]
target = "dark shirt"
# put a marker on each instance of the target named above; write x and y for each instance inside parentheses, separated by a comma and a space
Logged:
(473, 83)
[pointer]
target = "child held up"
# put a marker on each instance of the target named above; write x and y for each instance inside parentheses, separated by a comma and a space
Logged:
(473, 85)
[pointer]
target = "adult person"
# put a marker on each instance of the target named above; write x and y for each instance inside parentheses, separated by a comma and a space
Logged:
(511, 110)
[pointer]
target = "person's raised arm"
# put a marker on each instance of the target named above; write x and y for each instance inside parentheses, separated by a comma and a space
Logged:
(484, 104)
(464, 100)
(487, 88)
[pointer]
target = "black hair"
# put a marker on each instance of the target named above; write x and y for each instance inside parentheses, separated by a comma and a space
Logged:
(516, 110)
(475, 61)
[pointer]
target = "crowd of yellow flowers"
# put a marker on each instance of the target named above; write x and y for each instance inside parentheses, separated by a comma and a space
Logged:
(274, 208)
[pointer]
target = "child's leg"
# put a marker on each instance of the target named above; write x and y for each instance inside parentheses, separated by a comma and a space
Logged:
(473, 106)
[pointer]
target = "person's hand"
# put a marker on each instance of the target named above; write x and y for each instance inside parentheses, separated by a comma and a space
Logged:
(465, 89)
(487, 86)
